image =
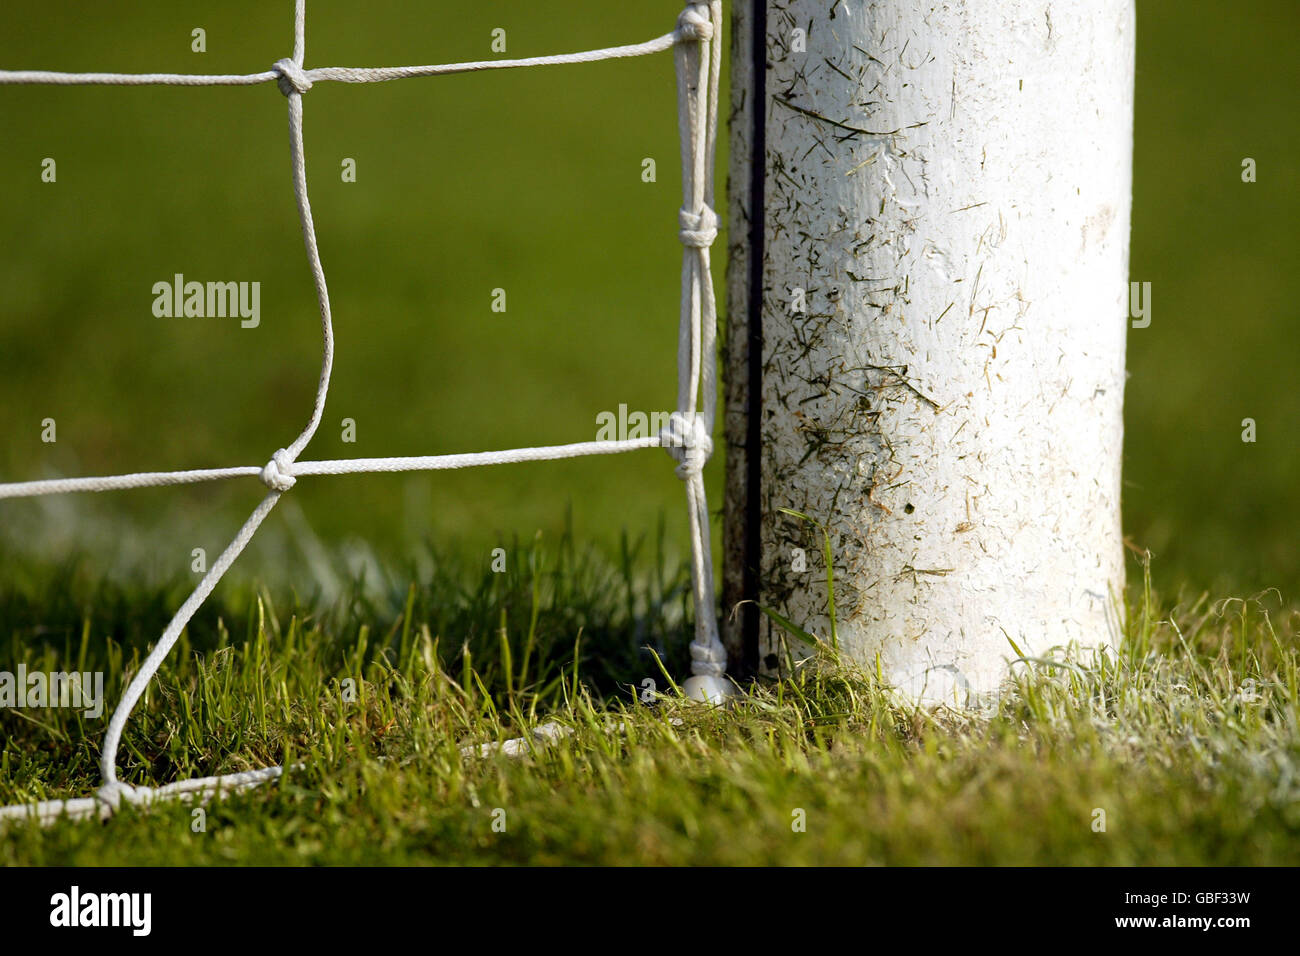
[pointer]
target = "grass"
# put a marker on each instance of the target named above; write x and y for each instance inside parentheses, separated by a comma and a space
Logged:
(1186, 738)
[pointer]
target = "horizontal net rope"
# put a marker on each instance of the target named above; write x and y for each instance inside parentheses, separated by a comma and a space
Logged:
(197, 789)
(686, 436)
(340, 74)
(341, 466)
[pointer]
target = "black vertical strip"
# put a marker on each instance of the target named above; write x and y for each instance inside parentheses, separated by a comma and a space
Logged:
(754, 371)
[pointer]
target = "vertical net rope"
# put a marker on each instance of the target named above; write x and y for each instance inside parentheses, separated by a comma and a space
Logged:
(698, 54)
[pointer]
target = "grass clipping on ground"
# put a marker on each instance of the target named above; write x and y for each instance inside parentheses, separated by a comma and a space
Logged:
(1180, 749)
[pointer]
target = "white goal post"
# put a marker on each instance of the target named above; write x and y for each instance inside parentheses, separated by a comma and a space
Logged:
(926, 327)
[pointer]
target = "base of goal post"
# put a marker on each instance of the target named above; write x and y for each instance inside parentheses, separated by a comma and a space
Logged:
(708, 689)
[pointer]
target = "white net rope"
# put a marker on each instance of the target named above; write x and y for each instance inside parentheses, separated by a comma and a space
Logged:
(686, 437)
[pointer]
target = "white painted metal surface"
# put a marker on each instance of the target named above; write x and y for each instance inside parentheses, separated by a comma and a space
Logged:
(944, 256)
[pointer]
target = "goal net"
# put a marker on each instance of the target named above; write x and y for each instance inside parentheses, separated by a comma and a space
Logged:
(687, 435)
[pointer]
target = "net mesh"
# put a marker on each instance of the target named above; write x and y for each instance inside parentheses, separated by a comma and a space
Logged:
(694, 41)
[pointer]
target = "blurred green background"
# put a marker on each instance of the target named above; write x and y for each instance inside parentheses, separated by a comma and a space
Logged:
(531, 181)
(1216, 83)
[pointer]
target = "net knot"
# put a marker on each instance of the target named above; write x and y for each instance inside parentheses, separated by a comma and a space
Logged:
(694, 22)
(113, 793)
(709, 659)
(290, 78)
(686, 438)
(278, 472)
(698, 230)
